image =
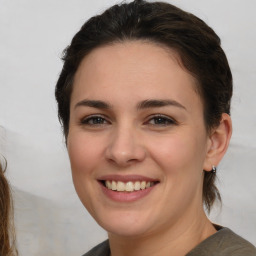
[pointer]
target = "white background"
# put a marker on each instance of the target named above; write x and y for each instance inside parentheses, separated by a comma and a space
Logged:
(49, 217)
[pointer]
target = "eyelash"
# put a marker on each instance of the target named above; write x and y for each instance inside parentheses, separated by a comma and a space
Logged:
(98, 120)
(165, 120)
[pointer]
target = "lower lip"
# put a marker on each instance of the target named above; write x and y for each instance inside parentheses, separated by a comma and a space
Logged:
(126, 196)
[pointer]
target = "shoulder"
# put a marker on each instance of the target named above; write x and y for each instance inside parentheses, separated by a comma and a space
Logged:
(224, 243)
(101, 249)
(235, 244)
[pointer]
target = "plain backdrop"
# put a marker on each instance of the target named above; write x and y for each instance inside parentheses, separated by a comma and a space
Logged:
(50, 219)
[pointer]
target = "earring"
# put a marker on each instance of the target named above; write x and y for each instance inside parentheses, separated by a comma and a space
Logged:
(214, 169)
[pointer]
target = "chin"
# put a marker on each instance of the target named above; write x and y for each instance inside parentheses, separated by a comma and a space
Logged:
(125, 224)
(127, 231)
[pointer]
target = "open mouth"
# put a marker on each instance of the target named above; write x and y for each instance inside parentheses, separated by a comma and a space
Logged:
(129, 186)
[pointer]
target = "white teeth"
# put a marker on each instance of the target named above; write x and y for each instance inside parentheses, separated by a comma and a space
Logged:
(143, 185)
(137, 185)
(108, 184)
(120, 186)
(113, 187)
(128, 186)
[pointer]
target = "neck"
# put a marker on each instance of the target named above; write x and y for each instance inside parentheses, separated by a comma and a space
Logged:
(176, 240)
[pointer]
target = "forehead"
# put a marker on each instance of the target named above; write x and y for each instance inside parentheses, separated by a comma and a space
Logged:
(131, 51)
(134, 67)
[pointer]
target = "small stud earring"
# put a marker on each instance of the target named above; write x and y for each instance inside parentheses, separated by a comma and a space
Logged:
(214, 169)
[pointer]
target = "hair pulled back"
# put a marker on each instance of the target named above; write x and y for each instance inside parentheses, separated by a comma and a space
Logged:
(196, 43)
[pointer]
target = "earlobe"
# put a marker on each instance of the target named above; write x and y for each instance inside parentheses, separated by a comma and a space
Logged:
(218, 142)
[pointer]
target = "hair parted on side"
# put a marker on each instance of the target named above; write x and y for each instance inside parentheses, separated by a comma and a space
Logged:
(197, 45)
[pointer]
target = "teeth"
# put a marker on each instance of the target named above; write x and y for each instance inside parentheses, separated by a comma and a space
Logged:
(108, 184)
(143, 185)
(120, 186)
(128, 186)
(137, 185)
(113, 187)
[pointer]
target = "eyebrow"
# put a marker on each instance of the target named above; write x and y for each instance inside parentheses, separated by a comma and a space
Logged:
(93, 104)
(150, 103)
(159, 103)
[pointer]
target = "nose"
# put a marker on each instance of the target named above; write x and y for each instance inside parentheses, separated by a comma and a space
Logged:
(125, 147)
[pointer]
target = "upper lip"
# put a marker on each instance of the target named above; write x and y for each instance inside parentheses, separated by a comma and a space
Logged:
(126, 178)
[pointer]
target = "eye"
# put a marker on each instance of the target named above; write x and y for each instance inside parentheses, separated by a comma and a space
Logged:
(161, 120)
(94, 120)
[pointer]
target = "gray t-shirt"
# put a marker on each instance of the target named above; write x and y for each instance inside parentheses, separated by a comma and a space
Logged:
(223, 243)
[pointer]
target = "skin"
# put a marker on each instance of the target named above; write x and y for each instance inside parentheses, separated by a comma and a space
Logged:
(122, 138)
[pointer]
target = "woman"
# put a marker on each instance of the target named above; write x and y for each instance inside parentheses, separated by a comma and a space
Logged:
(144, 100)
(7, 237)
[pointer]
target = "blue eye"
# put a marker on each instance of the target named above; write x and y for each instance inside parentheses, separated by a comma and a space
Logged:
(161, 121)
(94, 120)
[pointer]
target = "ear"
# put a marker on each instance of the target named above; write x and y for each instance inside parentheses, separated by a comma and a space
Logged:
(218, 142)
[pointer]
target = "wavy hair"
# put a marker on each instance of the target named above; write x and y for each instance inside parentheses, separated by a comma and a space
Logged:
(7, 231)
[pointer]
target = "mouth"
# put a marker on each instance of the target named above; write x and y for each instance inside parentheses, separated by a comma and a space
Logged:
(129, 186)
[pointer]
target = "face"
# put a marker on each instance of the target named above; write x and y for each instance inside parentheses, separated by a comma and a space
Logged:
(137, 141)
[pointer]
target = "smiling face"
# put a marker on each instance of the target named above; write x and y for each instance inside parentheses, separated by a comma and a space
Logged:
(136, 125)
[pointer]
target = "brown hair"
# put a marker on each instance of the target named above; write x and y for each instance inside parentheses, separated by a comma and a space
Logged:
(196, 43)
(7, 234)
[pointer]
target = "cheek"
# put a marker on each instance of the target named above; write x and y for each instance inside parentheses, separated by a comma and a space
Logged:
(179, 154)
(84, 153)
(181, 161)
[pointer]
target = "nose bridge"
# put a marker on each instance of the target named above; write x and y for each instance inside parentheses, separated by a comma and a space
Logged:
(125, 145)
